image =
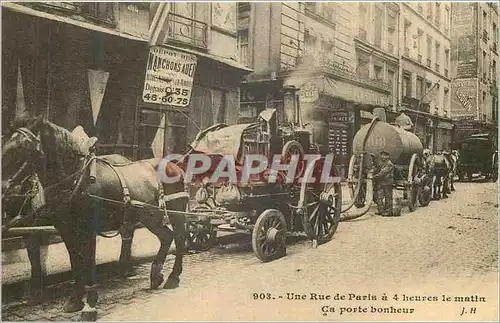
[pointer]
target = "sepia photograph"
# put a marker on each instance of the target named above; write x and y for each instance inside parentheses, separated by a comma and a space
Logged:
(250, 161)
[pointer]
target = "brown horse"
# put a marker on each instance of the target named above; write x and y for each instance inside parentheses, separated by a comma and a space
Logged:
(82, 208)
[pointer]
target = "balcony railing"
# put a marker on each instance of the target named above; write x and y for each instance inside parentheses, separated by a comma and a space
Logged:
(343, 70)
(419, 58)
(446, 72)
(429, 62)
(437, 67)
(187, 31)
(362, 34)
(485, 36)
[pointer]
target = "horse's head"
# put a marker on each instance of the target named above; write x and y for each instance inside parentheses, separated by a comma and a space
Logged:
(21, 151)
(426, 153)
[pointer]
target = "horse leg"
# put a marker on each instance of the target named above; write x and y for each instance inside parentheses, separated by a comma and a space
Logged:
(37, 255)
(179, 226)
(74, 303)
(127, 234)
(89, 312)
(165, 235)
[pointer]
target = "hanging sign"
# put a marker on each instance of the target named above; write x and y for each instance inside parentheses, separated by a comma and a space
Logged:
(169, 77)
(98, 80)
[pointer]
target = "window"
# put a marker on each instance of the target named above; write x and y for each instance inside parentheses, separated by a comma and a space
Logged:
(327, 11)
(390, 79)
(485, 65)
(485, 20)
(326, 47)
(391, 30)
(243, 47)
(438, 56)
(447, 20)
(363, 65)
(493, 70)
(446, 61)
(420, 8)
(379, 72)
(438, 14)
(484, 96)
(420, 44)
(420, 87)
(311, 6)
(407, 85)
(379, 19)
(429, 50)
(102, 11)
(446, 100)
(405, 37)
(309, 43)
(429, 11)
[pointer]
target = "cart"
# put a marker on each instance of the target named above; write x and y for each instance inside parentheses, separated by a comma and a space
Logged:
(269, 211)
(405, 150)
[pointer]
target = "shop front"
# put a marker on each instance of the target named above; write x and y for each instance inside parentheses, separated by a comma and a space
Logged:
(333, 107)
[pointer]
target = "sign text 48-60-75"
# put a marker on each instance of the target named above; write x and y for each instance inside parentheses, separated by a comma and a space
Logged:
(169, 77)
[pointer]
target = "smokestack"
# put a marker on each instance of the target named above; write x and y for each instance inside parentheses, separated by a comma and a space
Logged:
(291, 104)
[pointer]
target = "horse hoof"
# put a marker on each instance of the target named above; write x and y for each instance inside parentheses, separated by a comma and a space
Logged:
(155, 283)
(172, 283)
(73, 306)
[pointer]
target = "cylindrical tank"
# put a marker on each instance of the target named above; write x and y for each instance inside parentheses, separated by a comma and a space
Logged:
(399, 143)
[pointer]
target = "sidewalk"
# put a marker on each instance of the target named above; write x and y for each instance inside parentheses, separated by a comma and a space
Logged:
(16, 266)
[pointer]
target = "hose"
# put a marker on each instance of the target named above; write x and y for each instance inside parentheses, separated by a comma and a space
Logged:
(369, 184)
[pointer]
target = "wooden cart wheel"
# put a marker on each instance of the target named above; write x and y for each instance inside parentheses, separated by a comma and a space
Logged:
(360, 200)
(412, 189)
(294, 148)
(323, 206)
(201, 235)
(269, 235)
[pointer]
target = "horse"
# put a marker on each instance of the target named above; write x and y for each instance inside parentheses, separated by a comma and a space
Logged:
(23, 204)
(87, 195)
(438, 168)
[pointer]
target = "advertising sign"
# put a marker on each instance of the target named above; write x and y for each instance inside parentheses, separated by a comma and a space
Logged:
(224, 15)
(169, 77)
(463, 42)
(309, 92)
(463, 99)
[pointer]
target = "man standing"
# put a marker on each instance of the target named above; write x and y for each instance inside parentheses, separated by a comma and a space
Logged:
(384, 181)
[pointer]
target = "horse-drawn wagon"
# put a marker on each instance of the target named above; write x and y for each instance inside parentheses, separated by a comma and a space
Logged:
(405, 151)
(269, 210)
(477, 155)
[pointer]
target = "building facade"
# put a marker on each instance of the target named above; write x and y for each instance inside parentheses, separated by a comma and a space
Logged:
(425, 79)
(85, 64)
(77, 63)
(342, 69)
(474, 69)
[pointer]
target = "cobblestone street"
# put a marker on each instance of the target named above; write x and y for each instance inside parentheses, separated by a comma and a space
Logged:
(448, 248)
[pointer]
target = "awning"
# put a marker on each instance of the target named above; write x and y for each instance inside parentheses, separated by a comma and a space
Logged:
(32, 12)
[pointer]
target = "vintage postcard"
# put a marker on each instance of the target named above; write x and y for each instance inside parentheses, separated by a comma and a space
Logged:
(250, 161)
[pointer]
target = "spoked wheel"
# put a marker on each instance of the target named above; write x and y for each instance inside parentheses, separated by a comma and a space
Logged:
(412, 189)
(269, 235)
(201, 235)
(293, 148)
(323, 207)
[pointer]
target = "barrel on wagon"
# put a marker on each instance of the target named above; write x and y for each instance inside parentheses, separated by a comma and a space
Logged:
(405, 151)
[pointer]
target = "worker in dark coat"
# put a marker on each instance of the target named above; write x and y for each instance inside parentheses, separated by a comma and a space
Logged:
(384, 182)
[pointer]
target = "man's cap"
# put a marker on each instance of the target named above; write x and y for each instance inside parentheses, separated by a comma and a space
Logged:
(383, 152)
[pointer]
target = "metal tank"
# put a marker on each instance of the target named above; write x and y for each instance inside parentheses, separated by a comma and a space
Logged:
(399, 143)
